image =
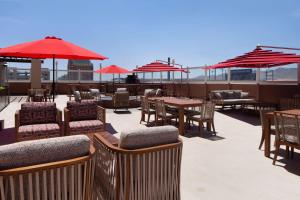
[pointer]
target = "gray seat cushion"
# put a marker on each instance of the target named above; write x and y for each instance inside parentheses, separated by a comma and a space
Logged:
(35, 152)
(148, 137)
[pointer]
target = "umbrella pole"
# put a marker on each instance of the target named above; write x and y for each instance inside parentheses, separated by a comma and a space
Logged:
(113, 83)
(53, 76)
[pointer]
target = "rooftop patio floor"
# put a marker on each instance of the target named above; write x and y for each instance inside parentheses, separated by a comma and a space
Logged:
(226, 166)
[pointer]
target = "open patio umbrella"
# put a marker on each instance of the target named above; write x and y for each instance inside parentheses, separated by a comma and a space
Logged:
(50, 47)
(259, 58)
(157, 67)
(113, 69)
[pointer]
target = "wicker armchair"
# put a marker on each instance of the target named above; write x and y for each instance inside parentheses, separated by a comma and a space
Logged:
(37, 120)
(121, 100)
(54, 174)
(134, 172)
(84, 117)
(287, 132)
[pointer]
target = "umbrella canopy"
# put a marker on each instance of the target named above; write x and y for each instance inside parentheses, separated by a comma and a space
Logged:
(259, 58)
(113, 69)
(50, 47)
(157, 67)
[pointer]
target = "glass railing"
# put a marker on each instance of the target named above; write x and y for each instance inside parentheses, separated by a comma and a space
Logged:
(192, 75)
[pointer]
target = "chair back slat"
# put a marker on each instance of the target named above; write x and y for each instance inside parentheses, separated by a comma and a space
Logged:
(262, 112)
(287, 127)
(207, 110)
(160, 108)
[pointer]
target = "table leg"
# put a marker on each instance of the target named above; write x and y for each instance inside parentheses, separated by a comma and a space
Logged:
(143, 115)
(267, 136)
(181, 120)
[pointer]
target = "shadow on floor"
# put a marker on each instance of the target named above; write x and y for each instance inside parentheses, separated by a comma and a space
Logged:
(292, 165)
(7, 136)
(243, 115)
(110, 128)
(122, 112)
(193, 131)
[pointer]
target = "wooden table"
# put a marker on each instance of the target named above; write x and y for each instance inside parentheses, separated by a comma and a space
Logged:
(180, 104)
(268, 121)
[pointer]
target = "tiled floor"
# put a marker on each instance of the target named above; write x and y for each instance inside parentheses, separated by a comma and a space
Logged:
(226, 166)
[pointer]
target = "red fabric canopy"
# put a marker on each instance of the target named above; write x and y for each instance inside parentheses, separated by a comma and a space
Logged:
(113, 69)
(50, 47)
(157, 67)
(259, 58)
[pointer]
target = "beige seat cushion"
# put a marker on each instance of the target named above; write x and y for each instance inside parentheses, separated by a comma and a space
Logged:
(35, 152)
(148, 137)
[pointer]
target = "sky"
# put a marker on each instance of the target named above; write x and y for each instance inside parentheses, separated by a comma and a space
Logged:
(137, 32)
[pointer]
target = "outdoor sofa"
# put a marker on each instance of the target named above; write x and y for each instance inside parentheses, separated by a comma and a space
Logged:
(231, 98)
(52, 168)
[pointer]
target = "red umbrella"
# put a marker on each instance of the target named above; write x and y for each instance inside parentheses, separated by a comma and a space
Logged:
(113, 69)
(157, 67)
(50, 47)
(259, 58)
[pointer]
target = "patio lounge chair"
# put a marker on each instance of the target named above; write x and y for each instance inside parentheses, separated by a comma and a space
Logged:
(54, 168)
(37, 120)
(144, 165)
(84, 117)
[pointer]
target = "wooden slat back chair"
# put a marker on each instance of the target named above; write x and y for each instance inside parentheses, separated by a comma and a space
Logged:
(141, 174)
(161, 113)
(145, 106)
(262, 112)
(287, 132)
(207, 115)
(67, 179)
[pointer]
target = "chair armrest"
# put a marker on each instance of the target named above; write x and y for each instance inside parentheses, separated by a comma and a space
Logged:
(59, 120)
(17, 119)
(101, 115)
(67, 119)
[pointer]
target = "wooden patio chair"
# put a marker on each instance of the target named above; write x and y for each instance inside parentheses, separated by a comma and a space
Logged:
(145, 106)
(207, 115)
(287, 132)
(262, 112)
(54, 168)
(144, 164)
(161, 113)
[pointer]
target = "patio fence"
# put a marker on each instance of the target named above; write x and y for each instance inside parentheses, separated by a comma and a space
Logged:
(288, 73)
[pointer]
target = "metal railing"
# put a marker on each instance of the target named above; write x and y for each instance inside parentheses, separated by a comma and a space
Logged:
(193, 75)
